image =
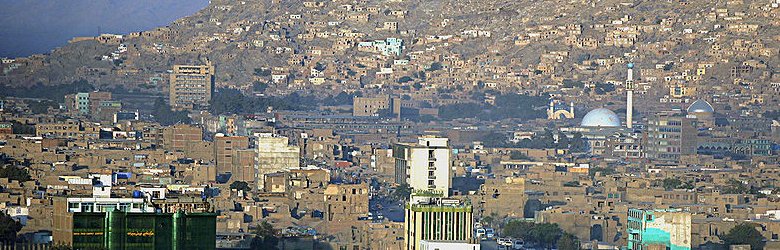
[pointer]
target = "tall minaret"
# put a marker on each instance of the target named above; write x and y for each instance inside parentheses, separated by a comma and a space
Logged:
(630, 96)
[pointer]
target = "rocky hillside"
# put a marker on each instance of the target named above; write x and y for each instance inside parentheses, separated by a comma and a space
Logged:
(506, 45)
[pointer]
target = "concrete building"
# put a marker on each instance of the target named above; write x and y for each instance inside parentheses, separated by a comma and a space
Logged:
(669, 135)
(659, 229)
(430, 217)
(181, 137)
(243, 166)
(375, 106)
(191, 86)
(274, 154)
(226, 150)
(344, 205)
(425, 165)
(88, 103)
(449, 245)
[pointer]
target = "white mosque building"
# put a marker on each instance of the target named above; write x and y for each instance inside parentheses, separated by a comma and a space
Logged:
(606, 134)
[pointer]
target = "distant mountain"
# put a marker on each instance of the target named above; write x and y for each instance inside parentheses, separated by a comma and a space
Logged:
(38, 26)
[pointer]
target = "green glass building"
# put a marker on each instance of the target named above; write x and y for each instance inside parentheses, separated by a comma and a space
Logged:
(122, 230)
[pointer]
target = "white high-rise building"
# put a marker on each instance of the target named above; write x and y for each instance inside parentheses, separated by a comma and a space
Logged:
(432, 219)
(425, 166)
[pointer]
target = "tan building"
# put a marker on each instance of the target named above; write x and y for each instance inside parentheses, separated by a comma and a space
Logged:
(180, 137)
(191, 86)
(243, 167)
(226, 149)
(66, 129)
(344, 204)
(274, 154)
(375, 106)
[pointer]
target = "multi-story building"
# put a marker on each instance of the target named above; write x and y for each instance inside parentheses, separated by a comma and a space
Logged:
(274, 154)
(191, 86)
(659, 229)
(425, 165)
(69, 214)
(430, 217)
(122, 230)
(88, 103)
(64, 129)
(344, 205)
(669, 135)
(243, 167)
(375, 106)
(226, 149)
(180, 137)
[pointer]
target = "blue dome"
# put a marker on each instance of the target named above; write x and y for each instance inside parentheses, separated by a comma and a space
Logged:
(630, 65)
(600, 117)
(700, 106)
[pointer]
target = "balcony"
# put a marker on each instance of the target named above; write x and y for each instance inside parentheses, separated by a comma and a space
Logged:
(432, 177)
(431, 186)
(431, 167)
(431, 158)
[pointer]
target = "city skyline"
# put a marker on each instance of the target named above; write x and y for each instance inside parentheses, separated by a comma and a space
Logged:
(399, 125)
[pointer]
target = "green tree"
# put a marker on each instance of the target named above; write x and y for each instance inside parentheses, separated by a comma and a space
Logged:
(165, 116)
(55, 92)
(22, 128)
(405, 79)
(546, 233)
(517, 155)
(402, 192)
(320, 67)
(518, 229)
(563, 141)
(736, 187)
(603, 170)
(16, 173)
(488, 220)
(8, 228)
(435, 66)
(240, 185)
(265, 236)
(578, 144)
(262, 72)
(744, 234)
(41, 107)
(568, 242)
(259, 86)
(671, 183)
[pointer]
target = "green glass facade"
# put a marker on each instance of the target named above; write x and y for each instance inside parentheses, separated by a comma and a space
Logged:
(122, 230)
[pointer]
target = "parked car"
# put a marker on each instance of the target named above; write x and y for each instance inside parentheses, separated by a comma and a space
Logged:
(518, 244)
(480, 234)
(490, 233)
(504, 242)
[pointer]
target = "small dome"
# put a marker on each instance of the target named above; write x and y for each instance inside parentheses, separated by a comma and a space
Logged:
(700, 106)
(600, 117)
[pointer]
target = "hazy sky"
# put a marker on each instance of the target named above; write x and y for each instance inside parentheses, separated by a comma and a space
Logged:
(38, 26)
